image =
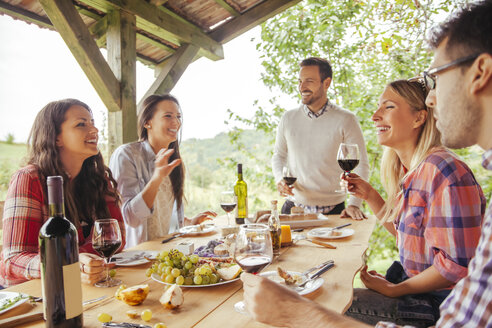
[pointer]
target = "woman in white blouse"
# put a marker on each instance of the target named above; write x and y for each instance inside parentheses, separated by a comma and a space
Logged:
(150, 174)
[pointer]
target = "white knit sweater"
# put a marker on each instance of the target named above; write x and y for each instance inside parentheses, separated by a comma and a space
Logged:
(310, 147)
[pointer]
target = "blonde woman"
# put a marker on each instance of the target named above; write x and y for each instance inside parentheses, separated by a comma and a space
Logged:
(434, 207)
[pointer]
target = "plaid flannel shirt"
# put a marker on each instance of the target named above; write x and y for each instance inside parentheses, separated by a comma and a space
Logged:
(25, 211)
(470, 302)
(441, 217)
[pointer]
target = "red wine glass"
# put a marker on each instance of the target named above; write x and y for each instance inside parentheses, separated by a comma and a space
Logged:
(228, 202)
(253, 251)
(348, 157)
(106, 240)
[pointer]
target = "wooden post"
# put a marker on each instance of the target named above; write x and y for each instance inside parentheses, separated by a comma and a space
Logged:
(121, 45)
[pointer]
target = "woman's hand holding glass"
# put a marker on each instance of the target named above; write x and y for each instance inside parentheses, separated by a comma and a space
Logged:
(357, 186)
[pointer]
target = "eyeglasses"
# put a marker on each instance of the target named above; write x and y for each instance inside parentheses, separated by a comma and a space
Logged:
(430, 75)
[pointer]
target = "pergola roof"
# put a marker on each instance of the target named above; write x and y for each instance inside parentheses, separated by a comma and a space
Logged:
(163, 26)
(167, 35)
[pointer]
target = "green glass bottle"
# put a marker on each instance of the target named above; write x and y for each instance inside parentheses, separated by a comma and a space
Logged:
(241, 191)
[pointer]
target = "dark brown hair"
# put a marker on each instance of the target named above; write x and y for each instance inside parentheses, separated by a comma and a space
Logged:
(85, 195)
(324, 66)
(147, 113)
(468, 30)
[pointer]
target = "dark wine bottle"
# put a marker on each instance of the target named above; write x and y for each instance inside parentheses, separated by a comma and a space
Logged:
(241, 191)
(60, 271)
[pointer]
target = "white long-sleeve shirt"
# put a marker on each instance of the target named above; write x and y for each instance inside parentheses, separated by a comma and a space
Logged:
(309, 146)
(132, 166)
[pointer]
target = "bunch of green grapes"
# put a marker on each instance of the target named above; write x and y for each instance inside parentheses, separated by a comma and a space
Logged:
(176, 268)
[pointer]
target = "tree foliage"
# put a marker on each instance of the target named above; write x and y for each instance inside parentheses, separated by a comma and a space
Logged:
(369, 43)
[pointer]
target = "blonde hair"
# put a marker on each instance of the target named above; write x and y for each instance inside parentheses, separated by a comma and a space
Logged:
(392, 172)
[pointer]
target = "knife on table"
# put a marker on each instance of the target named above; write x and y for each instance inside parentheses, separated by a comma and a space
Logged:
(124, 325)
(173, 236)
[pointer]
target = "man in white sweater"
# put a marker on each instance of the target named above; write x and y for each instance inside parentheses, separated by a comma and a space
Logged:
(307, 143)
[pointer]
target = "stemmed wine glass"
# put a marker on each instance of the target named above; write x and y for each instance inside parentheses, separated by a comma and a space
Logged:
(253, 251)
(228, 202)
(348, 158)
(289, 179)
(106, 240)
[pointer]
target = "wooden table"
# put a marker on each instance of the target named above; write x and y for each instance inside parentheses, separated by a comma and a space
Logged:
(214, 306)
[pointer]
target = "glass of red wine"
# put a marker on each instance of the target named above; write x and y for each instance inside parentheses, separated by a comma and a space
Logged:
(348, 158)
(289, 179)
(106, 240)
(253, 251)
(228, 202)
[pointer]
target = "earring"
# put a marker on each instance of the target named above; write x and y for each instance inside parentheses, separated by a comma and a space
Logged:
(147, 126)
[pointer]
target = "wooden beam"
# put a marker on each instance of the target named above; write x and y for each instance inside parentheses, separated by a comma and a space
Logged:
(171, 71)
(25, 15)
(250, 19)
(98, 31)
(121, 41)
(72, 29)
(155, 43)
(228, 7)
(163, 25)
(158, 2)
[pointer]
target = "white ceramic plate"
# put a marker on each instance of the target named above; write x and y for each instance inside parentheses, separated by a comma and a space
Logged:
(195, 230)
(6, 296)
(157, 278)
(325, 233)
(321, 220)
(309, 288)
(131, 258)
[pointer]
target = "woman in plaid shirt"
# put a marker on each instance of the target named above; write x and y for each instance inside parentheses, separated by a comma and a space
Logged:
(435, 209)
(63, 141)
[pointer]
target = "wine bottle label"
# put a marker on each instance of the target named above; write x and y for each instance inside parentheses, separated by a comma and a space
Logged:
(72, 285)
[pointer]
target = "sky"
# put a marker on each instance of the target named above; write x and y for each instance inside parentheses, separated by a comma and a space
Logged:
(36, 67)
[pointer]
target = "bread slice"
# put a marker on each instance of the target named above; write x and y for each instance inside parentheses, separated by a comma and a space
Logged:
(229, 273)
(298, 217)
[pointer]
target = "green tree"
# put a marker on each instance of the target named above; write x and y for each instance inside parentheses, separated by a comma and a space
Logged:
(368, 43)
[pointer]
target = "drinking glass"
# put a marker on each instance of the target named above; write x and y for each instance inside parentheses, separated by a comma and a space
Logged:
(289, 179)
(348, 158)
(253, 251)
(228, 202)
(106, 240)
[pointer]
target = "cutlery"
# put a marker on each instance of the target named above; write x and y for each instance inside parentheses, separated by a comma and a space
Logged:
(305, 273)
(340, 226)
(135, 257)
(321, 243)
(173, 236)
(317, 274)
(30, 317)
(124, 325)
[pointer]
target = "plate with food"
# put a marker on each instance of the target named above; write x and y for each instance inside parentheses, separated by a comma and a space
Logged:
(295, 220)
(197, 229)
(329, 233)
(10, 300)
(132, 258)
(292, 279)
(173, 267)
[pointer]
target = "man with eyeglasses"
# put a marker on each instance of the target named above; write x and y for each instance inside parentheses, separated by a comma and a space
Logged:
(460, 79)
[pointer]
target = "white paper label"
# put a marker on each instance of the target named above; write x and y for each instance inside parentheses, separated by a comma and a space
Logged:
(72, 285)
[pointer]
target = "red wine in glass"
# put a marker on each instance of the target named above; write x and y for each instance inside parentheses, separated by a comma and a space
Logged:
(290, 180)
(348, 164)
(107, 249)
(254, 264)
(228, 207)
